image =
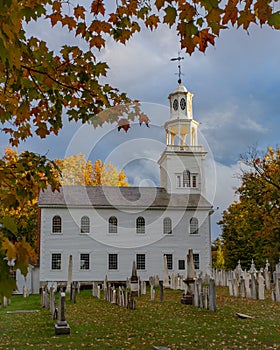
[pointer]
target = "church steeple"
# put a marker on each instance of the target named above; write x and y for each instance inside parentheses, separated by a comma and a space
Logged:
(182, 162)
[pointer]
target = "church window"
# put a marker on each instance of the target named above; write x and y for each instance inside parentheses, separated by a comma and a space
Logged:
(113, 224)
(186, 178)
(113, 261)
(178, 180)
(181, 264)
(56, 224)
(140, 261)
(193, 226)
(85, 224)
(196, 261)
(167, 226)
(140, 225)
(194, 183)
(84, 261)
(169, 259)
(56, 261)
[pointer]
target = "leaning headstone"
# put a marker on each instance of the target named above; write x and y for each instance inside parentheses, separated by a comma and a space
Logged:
(61, 327)
(212, 295)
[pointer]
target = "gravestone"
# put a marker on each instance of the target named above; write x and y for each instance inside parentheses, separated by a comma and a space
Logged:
(261, 286)
(247, 286)
(254, 286)
(61, 327)
(161, 291)
(153, 293)
(267, 275)
(242, 287)
(212, 295)
(70, 272)
(134, 281)
(166, 283)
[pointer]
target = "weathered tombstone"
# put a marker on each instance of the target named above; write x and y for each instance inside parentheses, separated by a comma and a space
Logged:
(261, 286)
(134, 281)
(242, 287)
(25, 292)
(277, 289)
(230, 287)
(143, 288)
(235, 288)
(73, 292)
(166, 283)
(52, 302)
(105, 287)
(212, 295)
(254, 286)
(267, 275)
(196, 295)
(161, 291)
(61, 327)
(151, 280)
(46, 300)
(70, 272)
(94, 289)
(98, 292)
(5, 302)
(156, 281)
(153, 293)
(253, 269)
(247, 286)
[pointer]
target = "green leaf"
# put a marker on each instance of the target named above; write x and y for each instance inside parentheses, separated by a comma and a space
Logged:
(274, 20)
(170, 15)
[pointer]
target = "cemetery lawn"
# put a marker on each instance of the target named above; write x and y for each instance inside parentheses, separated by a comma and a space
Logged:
(96, 324)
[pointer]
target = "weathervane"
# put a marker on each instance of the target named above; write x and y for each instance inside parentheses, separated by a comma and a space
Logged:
(179, 58)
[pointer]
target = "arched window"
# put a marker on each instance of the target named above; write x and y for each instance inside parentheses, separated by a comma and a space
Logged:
(186, 178)
(56, 224)
(140, 225)
(113, 224)
(167, 226)
(193, 226)
(85, 224)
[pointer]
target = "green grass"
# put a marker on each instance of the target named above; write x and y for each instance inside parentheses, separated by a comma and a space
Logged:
(96, 324)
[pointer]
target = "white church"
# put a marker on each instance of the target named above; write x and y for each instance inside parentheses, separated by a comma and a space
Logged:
(104, 229)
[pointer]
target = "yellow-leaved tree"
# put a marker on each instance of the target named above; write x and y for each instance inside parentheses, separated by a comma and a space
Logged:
(76, 170)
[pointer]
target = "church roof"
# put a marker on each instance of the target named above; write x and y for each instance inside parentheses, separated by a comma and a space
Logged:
(119, 197)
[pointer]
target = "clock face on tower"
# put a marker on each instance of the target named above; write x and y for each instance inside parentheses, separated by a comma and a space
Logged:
(183, 103)
(175, 104)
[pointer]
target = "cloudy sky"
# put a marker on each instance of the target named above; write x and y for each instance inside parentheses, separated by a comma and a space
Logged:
(236, 87)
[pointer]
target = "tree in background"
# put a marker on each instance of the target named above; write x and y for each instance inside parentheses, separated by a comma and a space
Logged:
(218, 260)
(76, 170)
(21, 178)
(251, 226)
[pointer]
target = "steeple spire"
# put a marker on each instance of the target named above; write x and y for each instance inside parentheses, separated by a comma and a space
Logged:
(179, 58)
